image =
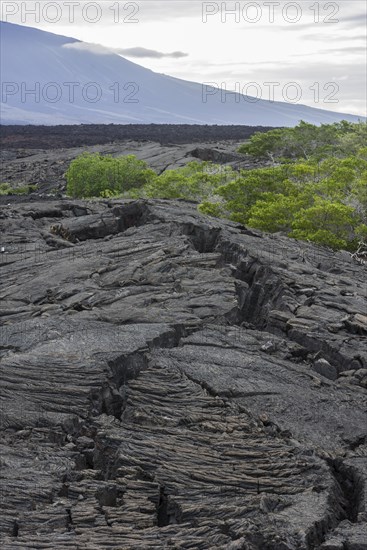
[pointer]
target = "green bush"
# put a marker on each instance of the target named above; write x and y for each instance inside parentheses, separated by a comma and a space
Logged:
(316, 189)
(6, 189)
(307, 141)
(211, 208)
(323, 202)
(195, 181)
(94, 175)
(328, 223)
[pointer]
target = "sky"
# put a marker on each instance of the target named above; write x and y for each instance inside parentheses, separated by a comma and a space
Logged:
(306, 52)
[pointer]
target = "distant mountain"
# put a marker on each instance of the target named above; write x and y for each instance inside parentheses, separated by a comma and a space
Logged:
(73, 83)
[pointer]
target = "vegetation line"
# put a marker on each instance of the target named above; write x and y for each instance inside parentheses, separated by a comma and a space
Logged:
(314, 189)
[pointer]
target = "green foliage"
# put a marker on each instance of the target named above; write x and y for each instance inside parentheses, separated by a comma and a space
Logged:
(170, 185)
(209, 208)
(322, 202)
(264, 145)
(361, 232)
(195, 181)
(94, 175)
(307, 141)
(273, 212)
(328, 223)
(241, 194)
(7, 189)
(316, 189)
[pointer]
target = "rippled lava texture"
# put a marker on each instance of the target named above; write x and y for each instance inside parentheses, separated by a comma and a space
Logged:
(170, 381)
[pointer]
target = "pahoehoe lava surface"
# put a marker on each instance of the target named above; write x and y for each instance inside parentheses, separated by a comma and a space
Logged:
(175, 381)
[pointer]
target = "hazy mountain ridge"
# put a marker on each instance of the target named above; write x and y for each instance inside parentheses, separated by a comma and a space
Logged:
(47, 81)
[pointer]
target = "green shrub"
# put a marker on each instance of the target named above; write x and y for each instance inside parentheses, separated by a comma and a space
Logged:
(6, 189)
(195, 181)
(274, 212)
(94, 175)
(307, 141)
(329, 223)
(211, 208)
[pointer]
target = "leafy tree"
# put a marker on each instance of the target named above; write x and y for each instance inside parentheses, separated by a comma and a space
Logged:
(307, 141)
(266, 145)
(352, 138)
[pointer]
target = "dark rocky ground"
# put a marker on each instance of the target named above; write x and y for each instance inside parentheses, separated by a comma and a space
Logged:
(51, 137)
(169, 380)
(174, 381)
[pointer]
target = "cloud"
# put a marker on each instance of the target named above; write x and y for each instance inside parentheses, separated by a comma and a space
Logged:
(144, 52)
(344, 51)
(88, 47)
(156, 10)
(336, 37)
(354, 21)
(129, 52)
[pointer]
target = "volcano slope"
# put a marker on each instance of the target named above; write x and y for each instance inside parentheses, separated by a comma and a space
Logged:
(175, 381)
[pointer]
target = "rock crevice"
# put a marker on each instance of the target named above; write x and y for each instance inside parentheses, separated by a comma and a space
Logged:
(175, 381)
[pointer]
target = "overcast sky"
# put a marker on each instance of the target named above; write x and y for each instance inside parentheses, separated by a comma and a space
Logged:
(304, 52)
